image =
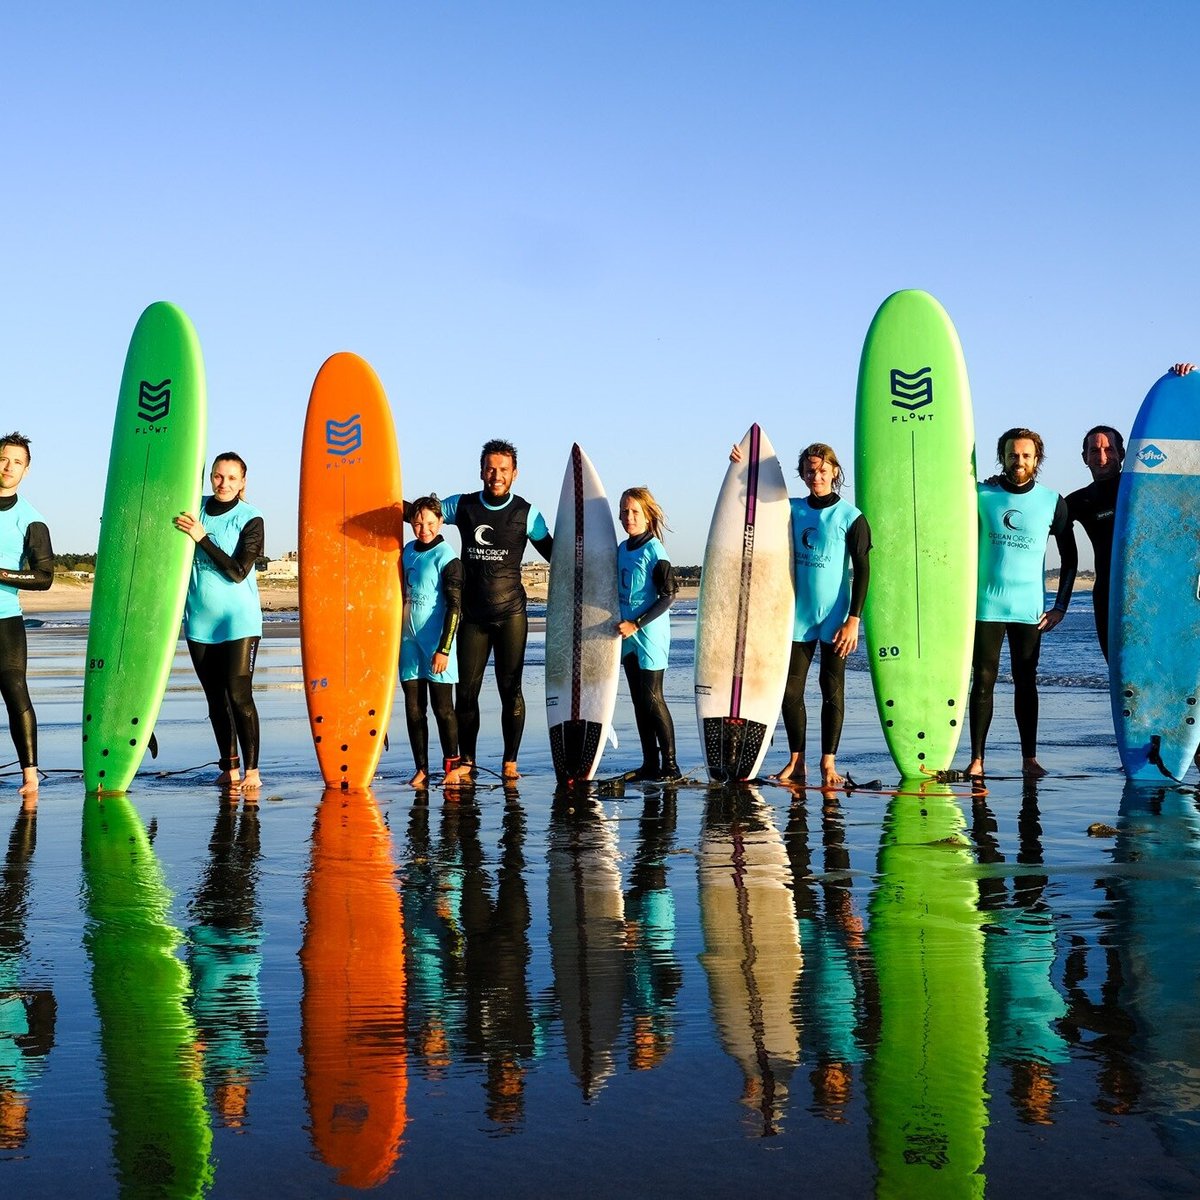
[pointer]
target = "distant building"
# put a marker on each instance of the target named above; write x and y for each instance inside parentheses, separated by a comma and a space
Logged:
(287, 567)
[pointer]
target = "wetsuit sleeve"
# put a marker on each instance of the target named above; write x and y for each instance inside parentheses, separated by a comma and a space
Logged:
(38, 556)
(539, 533)
(1068, 553)
(452, 586)
(663, 577)
(248, 551)
(858, 546)
(450, 507)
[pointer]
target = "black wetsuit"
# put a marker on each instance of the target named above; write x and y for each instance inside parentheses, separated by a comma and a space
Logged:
(494, 615)
(1095, 507)
(36, 575)
(832, 675)
(226, 669)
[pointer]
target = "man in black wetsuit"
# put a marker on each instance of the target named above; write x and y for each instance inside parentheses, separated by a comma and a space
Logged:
(495, 526)
(1094, 507)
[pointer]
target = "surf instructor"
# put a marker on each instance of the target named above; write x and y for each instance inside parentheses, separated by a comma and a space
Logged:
(26, 563)
(1017, 515)
(1095, 507)
(495, 526)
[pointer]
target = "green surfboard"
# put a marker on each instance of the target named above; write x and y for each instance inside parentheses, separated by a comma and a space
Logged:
(914, 463)
(162, 1139)
(155, 471)
(926, 1083)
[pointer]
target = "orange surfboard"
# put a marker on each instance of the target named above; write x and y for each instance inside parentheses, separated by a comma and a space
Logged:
(351, 532)
(353, 1007)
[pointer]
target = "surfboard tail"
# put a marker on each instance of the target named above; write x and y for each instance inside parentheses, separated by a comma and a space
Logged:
(575, 749)
(732, 747)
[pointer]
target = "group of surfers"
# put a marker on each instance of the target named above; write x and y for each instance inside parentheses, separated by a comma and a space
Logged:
(459, 612)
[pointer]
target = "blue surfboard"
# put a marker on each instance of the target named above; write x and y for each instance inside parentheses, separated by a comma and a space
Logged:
(1154, 614)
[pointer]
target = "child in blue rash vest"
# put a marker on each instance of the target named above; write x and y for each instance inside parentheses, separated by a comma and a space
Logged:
(26, 562)
(646, 585)
(433, 578)
(829, 536)
(223, 618)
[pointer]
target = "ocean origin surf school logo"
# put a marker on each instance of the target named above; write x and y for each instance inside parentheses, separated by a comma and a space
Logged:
(343, 438)
(1151, 456)
(154, 405)
(912, 391)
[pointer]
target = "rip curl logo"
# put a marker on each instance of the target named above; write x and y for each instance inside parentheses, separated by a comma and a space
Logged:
(154, 400)
(912, 390)
(344, 437)
(1151, 456)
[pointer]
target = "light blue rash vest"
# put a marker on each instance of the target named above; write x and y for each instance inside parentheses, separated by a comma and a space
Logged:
(637, 592)
(1013, 531)
(821, 567)
(13, 526)
(425, 612)
(219, 610)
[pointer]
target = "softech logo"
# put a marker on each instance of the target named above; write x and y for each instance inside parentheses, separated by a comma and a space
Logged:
(1151, 456)
(344, 437)
(154, 400)
(912, 390)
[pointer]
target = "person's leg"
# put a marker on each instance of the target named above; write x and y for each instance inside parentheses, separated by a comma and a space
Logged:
(474, 646)
(795, 715)
(663, 727)
(441, 700)
(22, 722)
(985, 665)
(414, 691)
(241, 655)
(1024, 650)
(832, 679)
(210, 663)
(645, 725)
(510, 637)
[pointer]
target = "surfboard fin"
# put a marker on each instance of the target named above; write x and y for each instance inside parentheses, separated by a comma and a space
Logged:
(386, 747)
(612, 739)
(152, 745)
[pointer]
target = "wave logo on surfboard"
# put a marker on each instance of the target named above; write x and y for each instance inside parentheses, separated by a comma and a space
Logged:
(154, 400)
(913, 390)
(1151, 456)
(344, 437)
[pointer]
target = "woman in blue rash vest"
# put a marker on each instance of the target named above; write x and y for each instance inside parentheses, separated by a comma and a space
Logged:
(26, 563)
(829, 536)
(223, 618)
(428, 670)
(646, 585)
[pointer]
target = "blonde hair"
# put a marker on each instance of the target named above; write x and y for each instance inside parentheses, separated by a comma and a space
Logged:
(656, 519)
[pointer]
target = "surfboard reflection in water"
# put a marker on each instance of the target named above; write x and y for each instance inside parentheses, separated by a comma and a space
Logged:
(925, 1084)
(27, 1010)
(225, 959)
(162, 1140)
(1159, 912)
(352, 1009)
(587, 937)
(751, 947)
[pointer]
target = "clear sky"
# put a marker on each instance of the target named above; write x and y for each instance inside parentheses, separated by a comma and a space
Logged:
(636, 226)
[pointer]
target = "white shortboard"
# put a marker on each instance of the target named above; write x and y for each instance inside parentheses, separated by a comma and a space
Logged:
(746, 612)
(583, 647)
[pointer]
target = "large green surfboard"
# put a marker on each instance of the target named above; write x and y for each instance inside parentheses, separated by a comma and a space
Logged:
(914, 462)
(155, 471)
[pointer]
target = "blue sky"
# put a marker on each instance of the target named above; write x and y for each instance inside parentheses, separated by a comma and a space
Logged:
(636, 226)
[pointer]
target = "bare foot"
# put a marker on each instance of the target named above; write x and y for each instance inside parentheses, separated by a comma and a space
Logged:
(253, 781)
(975, 768)
(794, 771)
(459, 776)
(1032, 769)
(230, 779)
(829, 772)
(30, 783)
(420, 779)
(509, 770)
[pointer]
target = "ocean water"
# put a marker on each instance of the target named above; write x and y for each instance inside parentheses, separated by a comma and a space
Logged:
(661, 991)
